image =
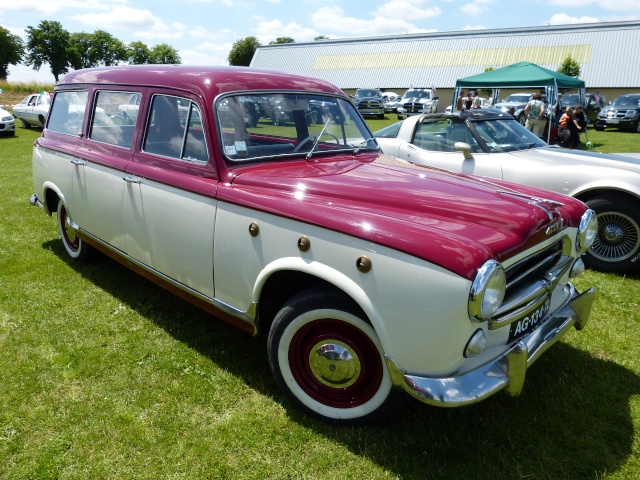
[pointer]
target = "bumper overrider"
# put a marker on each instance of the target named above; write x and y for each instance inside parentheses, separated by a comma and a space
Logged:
(507, 372)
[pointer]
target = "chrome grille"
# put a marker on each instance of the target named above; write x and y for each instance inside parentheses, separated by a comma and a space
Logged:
(530, 282)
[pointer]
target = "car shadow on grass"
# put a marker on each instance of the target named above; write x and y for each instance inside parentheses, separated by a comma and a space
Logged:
(572, 421)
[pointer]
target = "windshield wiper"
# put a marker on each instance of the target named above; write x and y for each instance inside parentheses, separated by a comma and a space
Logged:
(310, 154)
(363, 144)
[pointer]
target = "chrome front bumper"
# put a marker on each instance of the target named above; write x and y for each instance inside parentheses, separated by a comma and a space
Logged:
(504, 373)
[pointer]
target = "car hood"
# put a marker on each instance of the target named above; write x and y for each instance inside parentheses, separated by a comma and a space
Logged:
(453, 220)
(368, 99)
(416, 100)
(509, 105)
(580, 158)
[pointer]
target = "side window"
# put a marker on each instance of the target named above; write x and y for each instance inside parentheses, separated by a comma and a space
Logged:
(114, 117)
(175, 129)
(67, 112)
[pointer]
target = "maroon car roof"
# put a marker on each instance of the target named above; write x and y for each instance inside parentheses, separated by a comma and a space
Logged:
(208, 80)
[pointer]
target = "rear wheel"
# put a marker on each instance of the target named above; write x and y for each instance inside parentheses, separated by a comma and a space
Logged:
(75, 247)
(617, 245)
(522, 120)
(328, 360)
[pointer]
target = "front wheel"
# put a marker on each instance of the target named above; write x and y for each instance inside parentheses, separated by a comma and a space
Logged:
(328, 360)
(75, 247)
(617, 245)
(25, 124)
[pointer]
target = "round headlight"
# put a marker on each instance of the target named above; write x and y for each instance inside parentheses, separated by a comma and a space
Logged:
(587, 231)
(487, 291)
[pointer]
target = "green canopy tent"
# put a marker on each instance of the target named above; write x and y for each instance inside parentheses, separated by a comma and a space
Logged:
(522, 74)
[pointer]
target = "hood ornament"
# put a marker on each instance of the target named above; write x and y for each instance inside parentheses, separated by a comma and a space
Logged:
(550, 207)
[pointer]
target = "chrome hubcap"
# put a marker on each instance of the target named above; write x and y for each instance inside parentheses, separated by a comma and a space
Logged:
(617, 237)
(334, 364)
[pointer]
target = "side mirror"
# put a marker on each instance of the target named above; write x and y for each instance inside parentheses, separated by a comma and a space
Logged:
(465, 148)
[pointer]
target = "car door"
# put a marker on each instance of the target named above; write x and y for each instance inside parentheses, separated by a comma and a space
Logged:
(99, 184)
(170, 194)
(434, 143)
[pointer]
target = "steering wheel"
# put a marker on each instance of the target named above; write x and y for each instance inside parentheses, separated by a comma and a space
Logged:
(313, 136)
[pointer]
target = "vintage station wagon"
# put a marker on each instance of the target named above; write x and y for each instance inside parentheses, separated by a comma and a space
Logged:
(370, 275)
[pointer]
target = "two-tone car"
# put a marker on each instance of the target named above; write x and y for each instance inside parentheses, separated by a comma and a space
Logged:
(370, 276)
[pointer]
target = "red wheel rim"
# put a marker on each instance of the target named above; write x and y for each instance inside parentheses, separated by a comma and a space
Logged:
(363, 386)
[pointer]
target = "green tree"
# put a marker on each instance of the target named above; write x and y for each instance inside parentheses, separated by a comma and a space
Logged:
(138, 53)
(570, 67)
(11, 51)
(282, 40)
(321, 37)
(486, 92)
(242, 51)
(106, 49)
(164, 54)
(80, 50)
(49, 43)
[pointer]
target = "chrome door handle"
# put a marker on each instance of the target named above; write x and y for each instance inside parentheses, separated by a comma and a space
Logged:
(132, 179)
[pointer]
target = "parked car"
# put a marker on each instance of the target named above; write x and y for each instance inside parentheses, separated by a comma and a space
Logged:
(369, 101)
(492, 144)
(391, 101)
(519, 101)
(33, 110)
(416, 101)
(7, 123)
(592, 104)
(369, 275)
(623, 113)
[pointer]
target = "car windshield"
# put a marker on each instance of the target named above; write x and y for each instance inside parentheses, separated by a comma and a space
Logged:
(570, 99)
(627, 101)
(277, 125)
(367, 93)
(418, 94)
(389, 132)
(518, 98)
(503, 135)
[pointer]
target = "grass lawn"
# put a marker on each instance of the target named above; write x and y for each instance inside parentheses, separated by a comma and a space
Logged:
(105, 375)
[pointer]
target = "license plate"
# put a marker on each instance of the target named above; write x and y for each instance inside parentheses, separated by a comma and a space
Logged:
(529, 323)
(613, 120)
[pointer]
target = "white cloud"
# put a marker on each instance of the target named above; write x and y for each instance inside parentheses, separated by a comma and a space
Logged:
(474, 27)
(406, 9)
(139, 23)
(477, 7)
(267, 31)
(333, 19)
(564, 19)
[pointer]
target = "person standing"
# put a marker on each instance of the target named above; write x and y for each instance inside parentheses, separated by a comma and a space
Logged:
(534, 113)
(477, 103)
(557, 111)
(468, 101)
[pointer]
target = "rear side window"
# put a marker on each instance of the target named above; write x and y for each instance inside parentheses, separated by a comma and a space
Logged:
(175, 129)
(114, 117)
(68, 111)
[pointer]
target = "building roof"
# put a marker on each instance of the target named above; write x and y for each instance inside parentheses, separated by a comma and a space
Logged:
(607, 54)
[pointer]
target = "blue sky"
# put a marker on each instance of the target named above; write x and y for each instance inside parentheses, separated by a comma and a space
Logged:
(203, 31)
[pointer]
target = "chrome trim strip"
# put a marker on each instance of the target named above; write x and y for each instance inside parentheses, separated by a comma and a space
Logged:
(507, 372)
(249, 316)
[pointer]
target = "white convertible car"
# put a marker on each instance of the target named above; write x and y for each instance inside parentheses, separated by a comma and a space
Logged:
(493, 144)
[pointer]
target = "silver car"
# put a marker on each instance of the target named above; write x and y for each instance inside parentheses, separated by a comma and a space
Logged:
(33, 110)
(7, 123)
(493, 144)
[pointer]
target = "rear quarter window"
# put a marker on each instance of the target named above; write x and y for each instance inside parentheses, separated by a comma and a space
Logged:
(68, 111)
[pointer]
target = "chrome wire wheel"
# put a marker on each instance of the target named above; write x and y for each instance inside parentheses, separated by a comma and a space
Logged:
(618, 238)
